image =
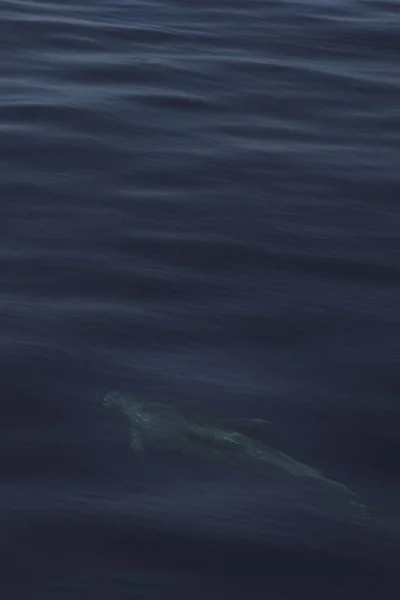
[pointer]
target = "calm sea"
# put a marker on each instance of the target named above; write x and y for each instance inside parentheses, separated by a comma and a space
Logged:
(199, 205)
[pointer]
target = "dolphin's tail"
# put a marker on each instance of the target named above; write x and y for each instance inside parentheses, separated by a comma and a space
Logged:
(310, 473)
(364, 513)
(338, 486)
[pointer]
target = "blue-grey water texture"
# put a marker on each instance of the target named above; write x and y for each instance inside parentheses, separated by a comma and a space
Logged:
(200, 206)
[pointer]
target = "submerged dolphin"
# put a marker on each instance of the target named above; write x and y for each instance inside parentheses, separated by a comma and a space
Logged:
(157, 423)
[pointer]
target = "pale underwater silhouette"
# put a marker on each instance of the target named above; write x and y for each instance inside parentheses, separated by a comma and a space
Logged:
(156, 423)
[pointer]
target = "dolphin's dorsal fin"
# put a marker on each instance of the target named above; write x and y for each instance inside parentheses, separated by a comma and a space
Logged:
(248, 427)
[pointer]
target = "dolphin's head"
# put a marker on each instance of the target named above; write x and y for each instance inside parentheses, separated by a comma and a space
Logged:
(125, 402)
(111, 398)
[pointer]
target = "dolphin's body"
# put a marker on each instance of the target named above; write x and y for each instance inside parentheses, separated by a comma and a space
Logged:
(157, 423)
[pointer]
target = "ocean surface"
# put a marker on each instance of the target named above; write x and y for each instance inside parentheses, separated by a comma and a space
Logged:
(199, 206)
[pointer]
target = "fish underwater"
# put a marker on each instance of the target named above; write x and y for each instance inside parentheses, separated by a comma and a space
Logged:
(158, 424)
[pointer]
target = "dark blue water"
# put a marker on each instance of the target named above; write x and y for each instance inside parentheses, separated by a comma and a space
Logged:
(200, 206)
